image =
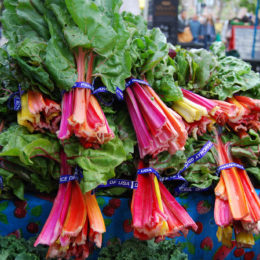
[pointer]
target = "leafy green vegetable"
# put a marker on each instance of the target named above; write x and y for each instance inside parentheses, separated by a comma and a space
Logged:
(98, 165)
(13, 248)
(11, 77)
(143, 250)
(201, 174)
(27, 34)
(28, 159)
(149, 58)
(234, 75)
(17, 141)
(213, 75)
(43, 45)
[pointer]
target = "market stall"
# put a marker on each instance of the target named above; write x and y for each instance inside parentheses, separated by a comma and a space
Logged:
(128, 135)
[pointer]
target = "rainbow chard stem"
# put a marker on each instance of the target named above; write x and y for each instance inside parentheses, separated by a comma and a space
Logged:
(247, 116)
(233, 185)
(67, 107)
(81, 112)
(199, 100)
(96, 221)
(178, 219)
(157, 127)
(222, 213)
(52, 227)
(38, 113)
(155, 212)
(242, 208)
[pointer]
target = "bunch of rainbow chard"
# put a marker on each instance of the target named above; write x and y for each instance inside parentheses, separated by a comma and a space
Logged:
(195, 111)
(158, 128)
(200, 113)
(247, 114)
(237, 205)
(39, 113)
(81, 112)
(75, 223)
(155, 212)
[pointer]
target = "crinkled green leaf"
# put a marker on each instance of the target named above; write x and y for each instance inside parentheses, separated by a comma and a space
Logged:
(142, 250)
(27, 32)
(98, 165)
(30, 15)
(206, 65)
(18, 142)
(201, 174)
(94, 23)
(255, 171)
(63, 72)
(218, 49)
(30, 160)
(125, 131)
(20, 249)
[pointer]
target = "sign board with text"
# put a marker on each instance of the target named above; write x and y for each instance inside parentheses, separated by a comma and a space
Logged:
(242, 37)
(164, 14)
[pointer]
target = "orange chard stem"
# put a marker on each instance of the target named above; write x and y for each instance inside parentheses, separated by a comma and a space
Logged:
(90, 67)
(220, 190)
(36, 102)
(235, 192)
(81, 63)
(77, 212)
(78, 116)
(251, 195)
(89, 77)
(96, 221)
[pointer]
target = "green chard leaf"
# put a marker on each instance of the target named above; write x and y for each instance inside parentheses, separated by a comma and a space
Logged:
(98, 165)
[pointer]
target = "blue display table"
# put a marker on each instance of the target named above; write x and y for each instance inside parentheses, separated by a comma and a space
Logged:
(203, 245)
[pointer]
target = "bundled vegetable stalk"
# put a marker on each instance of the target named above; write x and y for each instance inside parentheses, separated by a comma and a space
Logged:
(75, 223)
(158, 128)
(155, 212)
(237, 204)
(195, 113)
(38, 113)
(247, 114)
(81, 112)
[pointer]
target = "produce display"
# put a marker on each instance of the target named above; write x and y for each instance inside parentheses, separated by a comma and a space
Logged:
(135, 249)
(93, 102)
(13, 248)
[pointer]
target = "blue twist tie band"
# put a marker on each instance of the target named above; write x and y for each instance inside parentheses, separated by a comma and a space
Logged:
(119, 94)
(83, 85)
(132, 81)
(103, 90)
(14, 101)
(192, 159)
(149, 170)
(228, 166)
(152, 170)
(1, 183)
(197, 156)
(76, 177)
(118, 183)
(177, 177)
(184, 188)
(100, 90)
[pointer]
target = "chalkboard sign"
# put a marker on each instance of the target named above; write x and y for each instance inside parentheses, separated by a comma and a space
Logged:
(243, 41)
(164, 14)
